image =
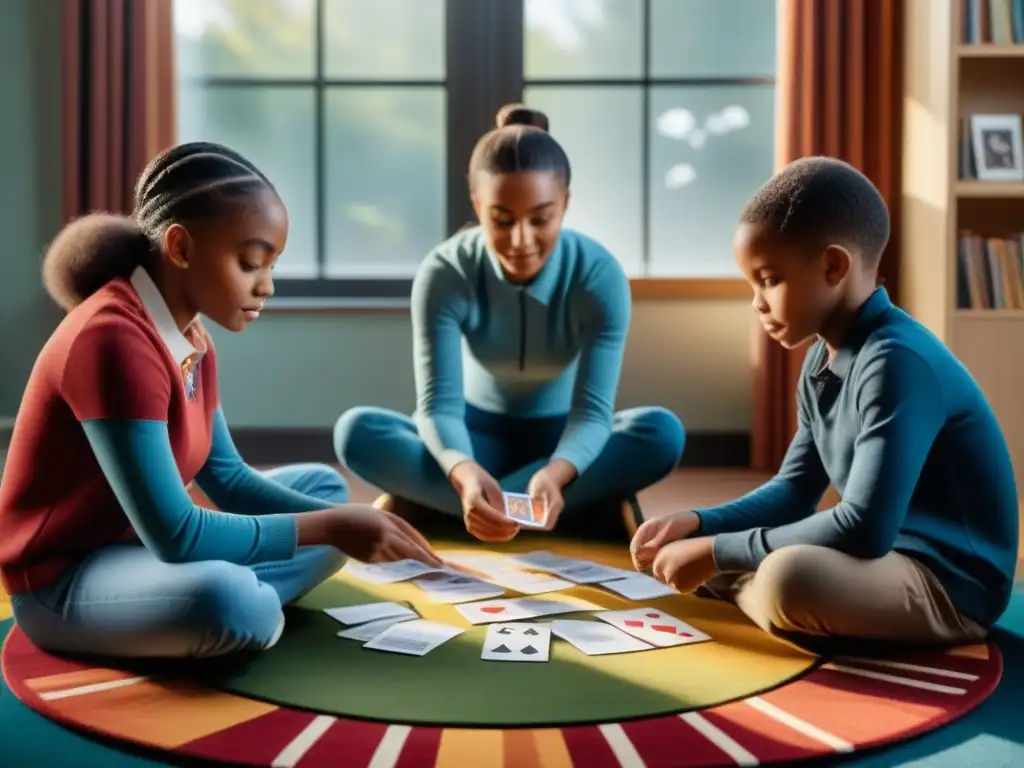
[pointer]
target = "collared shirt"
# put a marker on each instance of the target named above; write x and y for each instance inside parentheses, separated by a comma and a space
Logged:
(117, 356)
(904, 433)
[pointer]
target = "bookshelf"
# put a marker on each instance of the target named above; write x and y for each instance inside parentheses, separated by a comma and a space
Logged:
(955, 225)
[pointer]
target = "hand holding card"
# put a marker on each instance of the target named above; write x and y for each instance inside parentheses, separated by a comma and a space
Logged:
(525, 510)
(546, 487)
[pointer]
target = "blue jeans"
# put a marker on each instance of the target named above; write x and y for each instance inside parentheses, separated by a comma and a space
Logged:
(384, 448)
(123, 602)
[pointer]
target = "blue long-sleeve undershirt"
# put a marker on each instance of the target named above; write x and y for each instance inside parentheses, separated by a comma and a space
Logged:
(258, 524)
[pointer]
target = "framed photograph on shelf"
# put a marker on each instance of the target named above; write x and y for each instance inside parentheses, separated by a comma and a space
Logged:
(997, 145)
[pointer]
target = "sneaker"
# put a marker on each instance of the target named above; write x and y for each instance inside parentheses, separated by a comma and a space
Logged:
(277, 634)
(632, 516)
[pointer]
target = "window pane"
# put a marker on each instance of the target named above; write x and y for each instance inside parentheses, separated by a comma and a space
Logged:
(601, 131)
(581, 39)
(244, 38)
(384, 39)
(273, 127)
(713, 38)
(711, 149)
(385, 164)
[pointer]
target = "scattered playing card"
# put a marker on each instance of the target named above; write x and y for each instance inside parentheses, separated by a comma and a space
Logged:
(595, 638)
(653, 626)
(528, 583)
(541, 561)
(582, 572)
(387, 573)
(639, 586)
(517, 642)
(449, 587)
(414, 638)
(360, 614)
(518, 609)
(525, 509)
(366, 632)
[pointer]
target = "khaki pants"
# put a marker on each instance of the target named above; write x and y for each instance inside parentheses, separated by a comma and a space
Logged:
(825, 601)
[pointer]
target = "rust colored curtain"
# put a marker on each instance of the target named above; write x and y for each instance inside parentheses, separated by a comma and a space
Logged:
(118, 98)
(839, 94)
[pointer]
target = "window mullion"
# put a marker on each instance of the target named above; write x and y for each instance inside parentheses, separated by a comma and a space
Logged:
(484, 62)
(319, 141)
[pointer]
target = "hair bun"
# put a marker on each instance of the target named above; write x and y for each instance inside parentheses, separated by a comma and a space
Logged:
(520, 114)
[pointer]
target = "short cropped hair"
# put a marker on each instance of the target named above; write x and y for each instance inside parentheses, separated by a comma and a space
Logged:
(821, 201)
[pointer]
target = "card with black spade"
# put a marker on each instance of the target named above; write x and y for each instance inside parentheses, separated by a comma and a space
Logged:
(517, 641)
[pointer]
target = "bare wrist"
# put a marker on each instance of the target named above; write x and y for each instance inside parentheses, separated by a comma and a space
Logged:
(560, 471)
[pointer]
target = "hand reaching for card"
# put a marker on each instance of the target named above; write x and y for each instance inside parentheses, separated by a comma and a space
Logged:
(374, 536)
(656, 533)
(482, 503)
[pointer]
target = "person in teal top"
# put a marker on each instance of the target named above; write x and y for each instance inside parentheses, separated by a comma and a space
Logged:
(519, 328)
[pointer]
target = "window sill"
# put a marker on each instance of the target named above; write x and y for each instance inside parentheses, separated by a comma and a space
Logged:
(643, 289)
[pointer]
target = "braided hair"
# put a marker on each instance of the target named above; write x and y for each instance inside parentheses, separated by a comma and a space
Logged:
(187, 182)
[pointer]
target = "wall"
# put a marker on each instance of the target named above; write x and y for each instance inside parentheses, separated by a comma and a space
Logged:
(302, 371)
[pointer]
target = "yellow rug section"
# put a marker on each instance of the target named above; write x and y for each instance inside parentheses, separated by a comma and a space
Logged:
(312, 668)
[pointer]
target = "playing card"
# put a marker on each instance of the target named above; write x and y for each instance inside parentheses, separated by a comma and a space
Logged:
(595, 638)
(414, 638)
(453, 587)
(541, 561)
(360, 614)
(639, 587)
(653, 626)
(525, 509)
(366, 632)
(387, 573)
(583, 572)
(517, 642)
(518, 609)
(528, 583)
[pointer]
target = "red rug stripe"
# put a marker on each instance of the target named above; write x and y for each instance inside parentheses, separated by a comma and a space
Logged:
(764, 736)
(256, 742)
(346, 744)
(588, 747)
(669, 742)
(979, 667)
(20, 654)
(420, 748)
(858, 710)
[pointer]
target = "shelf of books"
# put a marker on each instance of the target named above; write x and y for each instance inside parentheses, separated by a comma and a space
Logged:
(962, 233)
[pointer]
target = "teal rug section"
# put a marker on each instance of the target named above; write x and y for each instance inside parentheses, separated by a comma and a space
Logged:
(992, 736)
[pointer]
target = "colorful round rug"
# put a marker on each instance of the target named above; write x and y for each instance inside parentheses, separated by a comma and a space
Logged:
(318, 700)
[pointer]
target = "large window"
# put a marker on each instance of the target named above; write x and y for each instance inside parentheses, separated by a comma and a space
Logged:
(364, 113)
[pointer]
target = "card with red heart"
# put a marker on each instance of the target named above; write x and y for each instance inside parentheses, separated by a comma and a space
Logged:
(515, 609)
(653, 626)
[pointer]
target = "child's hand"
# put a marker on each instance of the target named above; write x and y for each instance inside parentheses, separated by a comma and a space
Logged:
(655, 534)
(686, 564)
(371, 535)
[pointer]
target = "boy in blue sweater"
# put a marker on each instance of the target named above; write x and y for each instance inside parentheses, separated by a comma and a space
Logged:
(923, 545)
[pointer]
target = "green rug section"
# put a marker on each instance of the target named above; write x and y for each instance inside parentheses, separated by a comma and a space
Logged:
(314, 669)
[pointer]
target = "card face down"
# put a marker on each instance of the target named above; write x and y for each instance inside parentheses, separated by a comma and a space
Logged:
(414, 638)
(596, 639)
(525, 509)
(361, 614)
(517, 641)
